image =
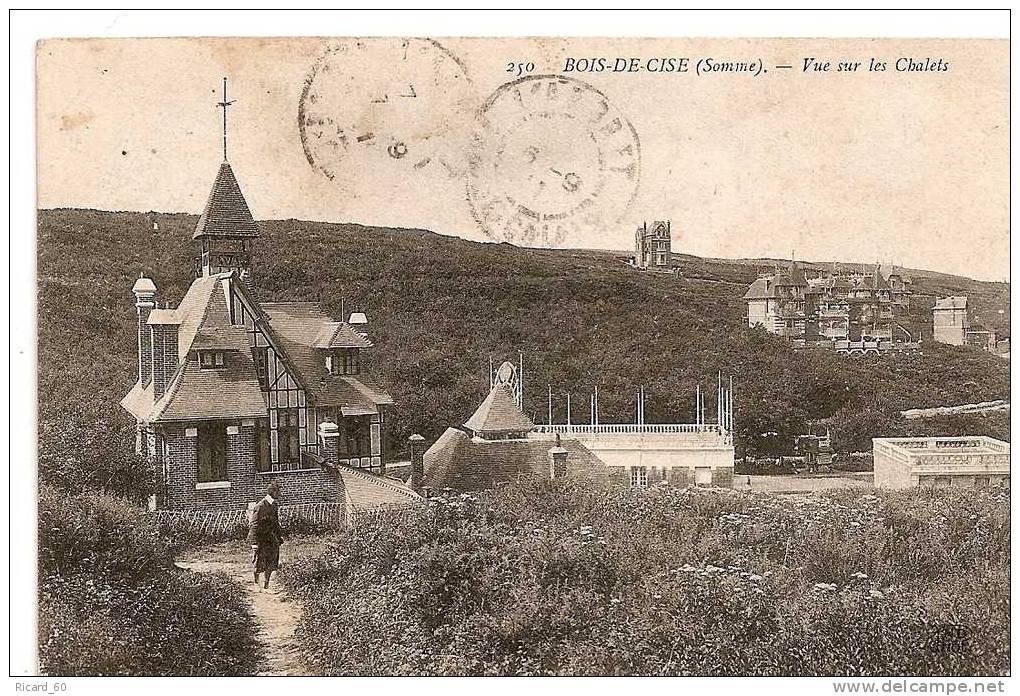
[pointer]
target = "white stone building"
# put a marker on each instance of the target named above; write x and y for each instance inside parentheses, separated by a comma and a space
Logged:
(905, 462)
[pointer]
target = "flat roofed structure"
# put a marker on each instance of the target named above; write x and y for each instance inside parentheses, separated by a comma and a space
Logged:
(905, 462)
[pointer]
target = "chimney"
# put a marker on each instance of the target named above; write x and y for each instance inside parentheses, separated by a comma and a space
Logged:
(329, 441)
(145, 300)
(164, 356)
(417, 446)
(557, 462)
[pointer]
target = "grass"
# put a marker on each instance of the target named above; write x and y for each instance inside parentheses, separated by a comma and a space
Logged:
(570, 578)
(112, 602)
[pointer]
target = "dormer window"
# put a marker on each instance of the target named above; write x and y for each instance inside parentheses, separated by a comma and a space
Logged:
(211, 359)
(344, 361)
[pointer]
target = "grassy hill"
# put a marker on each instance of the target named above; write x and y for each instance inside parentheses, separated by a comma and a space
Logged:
(439, 307)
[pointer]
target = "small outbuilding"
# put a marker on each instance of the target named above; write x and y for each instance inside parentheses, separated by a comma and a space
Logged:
(905, 462)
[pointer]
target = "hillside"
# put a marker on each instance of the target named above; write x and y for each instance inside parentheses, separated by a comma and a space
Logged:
(440, 306)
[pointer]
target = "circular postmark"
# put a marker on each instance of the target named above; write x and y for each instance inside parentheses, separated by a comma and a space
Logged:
(385, 102)
(553, 163)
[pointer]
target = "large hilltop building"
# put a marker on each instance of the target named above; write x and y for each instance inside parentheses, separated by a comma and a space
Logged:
(841, 309)
(652, 244)
(233, 393)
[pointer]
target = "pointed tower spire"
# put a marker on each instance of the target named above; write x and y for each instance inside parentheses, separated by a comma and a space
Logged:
(224, 232)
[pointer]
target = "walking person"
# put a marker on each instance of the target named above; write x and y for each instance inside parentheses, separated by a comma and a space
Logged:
(265, 535)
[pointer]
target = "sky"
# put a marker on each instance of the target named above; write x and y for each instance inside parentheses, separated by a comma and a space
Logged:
(906, 167)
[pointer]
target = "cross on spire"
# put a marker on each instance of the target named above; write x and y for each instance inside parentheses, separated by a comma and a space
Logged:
(223, 105)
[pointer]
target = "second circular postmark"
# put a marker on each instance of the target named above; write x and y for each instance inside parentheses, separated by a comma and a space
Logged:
(553, 163)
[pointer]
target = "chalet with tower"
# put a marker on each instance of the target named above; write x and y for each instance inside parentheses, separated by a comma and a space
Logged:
(233, 394)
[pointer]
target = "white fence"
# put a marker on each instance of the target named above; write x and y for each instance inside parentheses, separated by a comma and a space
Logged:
(629, 428)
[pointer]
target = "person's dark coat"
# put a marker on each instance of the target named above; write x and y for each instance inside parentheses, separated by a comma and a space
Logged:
(266, 535)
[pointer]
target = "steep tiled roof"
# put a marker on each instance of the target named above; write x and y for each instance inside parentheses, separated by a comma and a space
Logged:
(191, 311)
(340, 334)
(298, 326)
(878, 281)
(760, 289)
(231, 391)
(366, 491)
(463, 463)
(795, 276)
(499, 414)
(226, 212)
(138, 401)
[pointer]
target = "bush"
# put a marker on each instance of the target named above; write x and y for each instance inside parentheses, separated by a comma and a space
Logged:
(580, 578)
(112, 602)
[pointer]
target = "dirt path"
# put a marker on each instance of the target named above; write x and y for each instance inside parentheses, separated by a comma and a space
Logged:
(277, 614)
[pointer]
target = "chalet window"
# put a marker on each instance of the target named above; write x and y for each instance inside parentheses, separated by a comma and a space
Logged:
(211, 359)
(263, 453)
(638, 476)
(288, 434)
(212, 453)
(260, 356)
(346, 361)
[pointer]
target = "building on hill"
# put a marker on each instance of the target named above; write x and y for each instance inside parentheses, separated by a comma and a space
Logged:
(952, 325)
(899, 287)
(843, 310)
(904, 462)
(652, 244)
(950, 321)
(499, 444)
(233, 394)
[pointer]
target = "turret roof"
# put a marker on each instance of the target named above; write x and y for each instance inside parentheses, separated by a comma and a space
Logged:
(498, 413)
(226, 212)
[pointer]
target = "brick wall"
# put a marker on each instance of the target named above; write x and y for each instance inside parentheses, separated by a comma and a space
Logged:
(144, 343)
(183, 493)
(241, 464)
(302, 487)
(158, 342)
(183, 463)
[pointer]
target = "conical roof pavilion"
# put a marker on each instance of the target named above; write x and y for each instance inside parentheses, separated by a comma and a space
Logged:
(498, 414)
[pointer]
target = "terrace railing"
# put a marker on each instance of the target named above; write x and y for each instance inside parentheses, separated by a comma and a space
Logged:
(630, 428)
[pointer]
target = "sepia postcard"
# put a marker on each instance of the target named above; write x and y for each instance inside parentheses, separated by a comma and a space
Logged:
(425, 355)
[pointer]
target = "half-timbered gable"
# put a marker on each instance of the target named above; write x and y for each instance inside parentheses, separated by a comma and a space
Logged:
(232, 394)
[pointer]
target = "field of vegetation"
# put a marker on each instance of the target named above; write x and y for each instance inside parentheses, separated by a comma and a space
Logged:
(576, 578)
(112, 602)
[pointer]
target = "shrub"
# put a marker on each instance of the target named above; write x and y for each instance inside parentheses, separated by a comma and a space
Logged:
(579, 577)
(112, 602)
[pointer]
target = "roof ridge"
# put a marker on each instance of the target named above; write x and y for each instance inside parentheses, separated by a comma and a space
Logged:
(402, 488)
(168, 396)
